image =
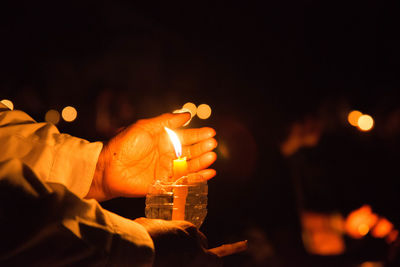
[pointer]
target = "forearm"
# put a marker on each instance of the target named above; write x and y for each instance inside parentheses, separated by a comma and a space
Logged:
(45, 224)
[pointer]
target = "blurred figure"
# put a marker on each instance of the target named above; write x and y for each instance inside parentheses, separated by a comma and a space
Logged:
(304, 133)
(336, 169)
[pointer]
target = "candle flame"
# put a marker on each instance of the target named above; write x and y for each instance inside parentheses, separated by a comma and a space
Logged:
(175, 142)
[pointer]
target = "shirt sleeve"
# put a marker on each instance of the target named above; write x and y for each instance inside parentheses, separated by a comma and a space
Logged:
(53, 156)
(44, 224)
(43, 219)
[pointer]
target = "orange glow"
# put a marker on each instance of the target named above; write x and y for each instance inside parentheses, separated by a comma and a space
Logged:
(52, 116)
(326, 243)
(360, 221)
(8, 103)
(203, 111)
(223, 150)
(191, 107)
(337, 222)
(392, 236)
(353, 117)
(382, 228)
(321, 233)
(363, 229)
(365, 122)
(69, 114)
(175, 142)
(371, 264)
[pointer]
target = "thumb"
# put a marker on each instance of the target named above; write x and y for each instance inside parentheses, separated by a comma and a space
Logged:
(165, 120)
(168, 120)
(178, 120)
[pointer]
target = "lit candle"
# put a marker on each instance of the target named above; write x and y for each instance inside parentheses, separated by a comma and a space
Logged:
(180, 169)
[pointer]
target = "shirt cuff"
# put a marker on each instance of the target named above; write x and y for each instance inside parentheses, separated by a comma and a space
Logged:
(75, 163)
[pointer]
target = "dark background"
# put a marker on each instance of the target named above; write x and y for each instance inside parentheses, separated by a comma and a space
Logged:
(261, 66)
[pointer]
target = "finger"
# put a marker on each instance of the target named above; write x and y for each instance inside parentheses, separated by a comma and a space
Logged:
(184, 225)
(199, 149)
(192, 136)
(202, 162)
(229, 249)
(202, 239)
(207, 174)
(193, 231)
(201, 176)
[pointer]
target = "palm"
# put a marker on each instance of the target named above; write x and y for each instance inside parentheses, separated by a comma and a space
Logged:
(143, 152)
(143, 156)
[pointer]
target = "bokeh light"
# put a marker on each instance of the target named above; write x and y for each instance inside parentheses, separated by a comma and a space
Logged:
(8, 103)
(382, 228)
(319, 234)
(365, 122)
(69, 114)
(363, 229)
(223, 150)
(203, 111)
(52, 116)
(360, 221)
(192, 107)
(353, 117)
(371, 264)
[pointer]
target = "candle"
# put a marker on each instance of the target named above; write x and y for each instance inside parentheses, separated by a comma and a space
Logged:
(180, 194)
(180, 169)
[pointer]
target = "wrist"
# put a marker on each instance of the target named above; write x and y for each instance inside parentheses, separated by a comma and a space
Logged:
(98, 190)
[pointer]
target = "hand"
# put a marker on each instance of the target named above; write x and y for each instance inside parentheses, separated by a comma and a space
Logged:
(178, 243)
(130, 161)
(304, 133)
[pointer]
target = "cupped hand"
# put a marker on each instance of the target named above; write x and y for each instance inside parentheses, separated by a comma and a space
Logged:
(130, 161)
(178, 243)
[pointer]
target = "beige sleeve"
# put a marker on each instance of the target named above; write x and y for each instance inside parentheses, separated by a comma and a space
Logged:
(53, 156)
(44, 224)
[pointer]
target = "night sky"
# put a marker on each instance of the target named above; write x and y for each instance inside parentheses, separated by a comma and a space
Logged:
(262, 67)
